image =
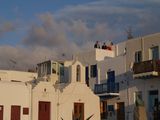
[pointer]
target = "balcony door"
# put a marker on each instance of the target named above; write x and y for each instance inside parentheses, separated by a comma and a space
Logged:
(154, 53)
(138, 56)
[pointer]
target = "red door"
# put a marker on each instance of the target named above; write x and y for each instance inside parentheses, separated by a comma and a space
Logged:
(1, 112)
(78, 111)
(15, 112)
(44, 110)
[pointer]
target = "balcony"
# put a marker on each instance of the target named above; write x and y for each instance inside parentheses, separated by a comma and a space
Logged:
(146, 69)
(106, 89)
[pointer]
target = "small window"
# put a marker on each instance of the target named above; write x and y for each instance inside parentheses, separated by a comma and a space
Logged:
(39, 70)
(54, 68)
(138, 98)
(111, 108)
(93, 71)
(78, 73)
(25, 111)
(87, 75)
(48, 67)
(138, 56)
(61, 69)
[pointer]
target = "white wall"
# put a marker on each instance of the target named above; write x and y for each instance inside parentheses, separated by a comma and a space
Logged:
(15, 94)
(8, 75)
(39, 94)
(120, 48)
(90, 57)
(79, 92)
(63, 96)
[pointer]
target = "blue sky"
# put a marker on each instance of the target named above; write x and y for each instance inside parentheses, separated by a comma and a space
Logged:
(53, 27)
(29, 8)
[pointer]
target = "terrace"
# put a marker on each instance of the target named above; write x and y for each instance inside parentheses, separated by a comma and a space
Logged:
(146, 69)
(106, 89)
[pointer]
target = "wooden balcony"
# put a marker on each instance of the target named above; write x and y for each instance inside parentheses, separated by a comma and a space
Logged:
(146, 69)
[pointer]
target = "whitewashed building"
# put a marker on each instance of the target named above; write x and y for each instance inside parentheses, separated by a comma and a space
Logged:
(60, 93)
(126, 76)
(15, 95)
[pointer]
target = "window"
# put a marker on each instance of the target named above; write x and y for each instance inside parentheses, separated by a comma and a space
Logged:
(111, 81)
(87, 75)
(111, 108)
(54, 68)
(48, 67)
(61, 69)
(78, 73)
(154, 53)
(138, 98)
(111, 76)
(39, 70)
(25, 111)
(138, 56)
(93, 71)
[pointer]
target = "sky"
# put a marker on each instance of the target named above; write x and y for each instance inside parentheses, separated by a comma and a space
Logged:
(32, 31)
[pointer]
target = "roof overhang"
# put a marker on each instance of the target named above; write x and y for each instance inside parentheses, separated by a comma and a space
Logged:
(108, 94)
(146, 75)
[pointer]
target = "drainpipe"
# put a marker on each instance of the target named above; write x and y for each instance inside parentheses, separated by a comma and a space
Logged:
(31, 96)
(29, 87)
(128, 99)
(58, 102)
(142, 47)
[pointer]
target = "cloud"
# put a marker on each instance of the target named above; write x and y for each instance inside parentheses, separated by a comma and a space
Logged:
(7, 27)
(22, 59)
(48, 33)
(42, 43)
(75, 28)
(51, 32)
(117, 15)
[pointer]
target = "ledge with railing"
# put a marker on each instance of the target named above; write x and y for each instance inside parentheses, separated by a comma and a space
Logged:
(147, 68)
(106, 88)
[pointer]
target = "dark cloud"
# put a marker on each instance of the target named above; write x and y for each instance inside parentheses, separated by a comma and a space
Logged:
(48, 33)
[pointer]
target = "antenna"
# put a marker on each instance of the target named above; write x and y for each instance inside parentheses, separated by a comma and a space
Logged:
(129, 32)
(13, 62)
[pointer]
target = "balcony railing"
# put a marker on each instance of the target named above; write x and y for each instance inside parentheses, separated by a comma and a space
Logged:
(106, 88)
(146, 66)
